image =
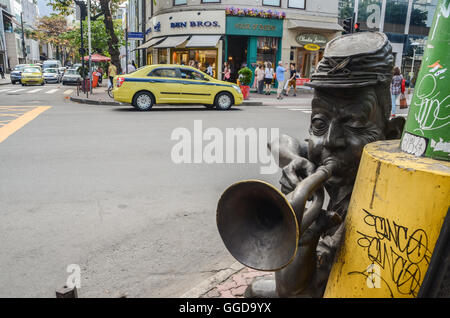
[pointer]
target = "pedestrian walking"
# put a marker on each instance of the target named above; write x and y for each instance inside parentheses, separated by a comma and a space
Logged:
(280, 79)
(268, 77)
(292, 80)
(396, 89)
(259, 75)
(226, 72)
(209, 69)
(2, 72)
(130, 67)
(112, 71)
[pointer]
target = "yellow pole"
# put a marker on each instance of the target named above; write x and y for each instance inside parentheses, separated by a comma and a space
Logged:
(395, 216)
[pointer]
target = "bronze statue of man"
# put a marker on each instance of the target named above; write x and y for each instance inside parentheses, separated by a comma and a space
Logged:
(350, 108)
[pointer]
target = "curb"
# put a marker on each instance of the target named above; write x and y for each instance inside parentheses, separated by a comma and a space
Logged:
(97, 102)
(211, 282)
(93, 102)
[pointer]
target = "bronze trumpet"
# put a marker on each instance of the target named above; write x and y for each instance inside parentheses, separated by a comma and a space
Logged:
(261, 227)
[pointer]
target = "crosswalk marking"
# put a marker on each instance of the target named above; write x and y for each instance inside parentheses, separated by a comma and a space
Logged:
(52, 91)
(5, 90)
(34, 90)
(17, 90)
(68, 91)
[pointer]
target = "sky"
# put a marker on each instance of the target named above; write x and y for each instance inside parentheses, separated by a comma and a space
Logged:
(43, 8)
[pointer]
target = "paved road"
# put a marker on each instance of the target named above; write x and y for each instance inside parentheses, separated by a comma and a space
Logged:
(96, 186)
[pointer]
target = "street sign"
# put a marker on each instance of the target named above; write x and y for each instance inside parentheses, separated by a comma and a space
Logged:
(135, 36)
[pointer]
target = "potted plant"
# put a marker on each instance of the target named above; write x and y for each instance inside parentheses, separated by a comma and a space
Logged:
(245, 78)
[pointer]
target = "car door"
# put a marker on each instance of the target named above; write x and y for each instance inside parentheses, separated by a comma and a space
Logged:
(195, 87)
(164, 83)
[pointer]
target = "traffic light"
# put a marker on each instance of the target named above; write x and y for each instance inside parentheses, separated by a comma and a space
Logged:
(83, 9)
(357, 29)
(348, 25)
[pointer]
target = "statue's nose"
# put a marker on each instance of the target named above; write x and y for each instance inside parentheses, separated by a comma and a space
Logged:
(335, 136)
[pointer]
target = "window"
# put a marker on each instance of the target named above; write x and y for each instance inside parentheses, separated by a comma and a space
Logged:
(274, 3)
(191, 74)
(211, 1)
(179, 2)
(297, 4)
(163, 72)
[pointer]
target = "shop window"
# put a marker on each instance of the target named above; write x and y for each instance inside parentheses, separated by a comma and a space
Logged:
(179, 2)
(163, 72)
(274, 3)
(162, 56)
(296, 4)
(211, 1)
(191, 74)
(267, 50)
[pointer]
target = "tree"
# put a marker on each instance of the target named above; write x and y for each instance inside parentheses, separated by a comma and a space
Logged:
(49, 29)
(105, 8)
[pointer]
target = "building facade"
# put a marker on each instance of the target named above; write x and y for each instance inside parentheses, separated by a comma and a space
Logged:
(245, 32)
(405, 22)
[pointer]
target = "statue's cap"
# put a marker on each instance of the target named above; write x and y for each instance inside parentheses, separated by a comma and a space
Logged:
(355, 60)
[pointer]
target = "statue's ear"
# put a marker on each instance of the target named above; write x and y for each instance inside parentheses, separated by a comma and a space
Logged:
(394, 128)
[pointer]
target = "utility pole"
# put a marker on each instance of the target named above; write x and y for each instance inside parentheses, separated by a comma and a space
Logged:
(89, 43)
(24, 50)
(83, 14)
(126, 40)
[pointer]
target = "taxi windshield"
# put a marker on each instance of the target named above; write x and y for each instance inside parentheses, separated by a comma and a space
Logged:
(71, 72)
(50, 70)
(31, 70)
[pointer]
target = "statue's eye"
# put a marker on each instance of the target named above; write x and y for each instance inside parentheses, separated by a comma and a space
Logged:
(319, 126)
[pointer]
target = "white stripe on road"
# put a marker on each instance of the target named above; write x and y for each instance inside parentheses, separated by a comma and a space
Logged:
(34, 90)
(5, 90)
(307, 111)
(290, 107)
(52, 91)
(17, 90)
(68, 91)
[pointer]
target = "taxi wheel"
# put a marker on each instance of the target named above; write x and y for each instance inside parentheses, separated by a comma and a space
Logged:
(143, 101)
(223, 101)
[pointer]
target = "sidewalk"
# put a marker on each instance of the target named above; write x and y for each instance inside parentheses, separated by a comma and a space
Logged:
(100, 97)
(5, 81)
(228, 283)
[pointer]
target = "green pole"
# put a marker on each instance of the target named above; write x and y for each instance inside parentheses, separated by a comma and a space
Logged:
(427, 128)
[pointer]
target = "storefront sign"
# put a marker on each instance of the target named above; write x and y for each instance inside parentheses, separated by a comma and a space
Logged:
(187, 22)
(254, 26)
(194, 24)
(311, 38)
(311, 47)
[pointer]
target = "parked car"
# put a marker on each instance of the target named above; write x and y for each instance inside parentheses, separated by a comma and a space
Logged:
(32, 75)
(16, 73)
(71, 76)
(174, 84)
(52, 75)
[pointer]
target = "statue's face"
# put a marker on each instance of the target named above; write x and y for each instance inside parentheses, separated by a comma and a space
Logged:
(343, 121)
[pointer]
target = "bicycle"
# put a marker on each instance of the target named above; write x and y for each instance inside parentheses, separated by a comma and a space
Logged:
(110, 92)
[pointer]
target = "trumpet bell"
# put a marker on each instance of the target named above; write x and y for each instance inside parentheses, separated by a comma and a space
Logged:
(258, 225)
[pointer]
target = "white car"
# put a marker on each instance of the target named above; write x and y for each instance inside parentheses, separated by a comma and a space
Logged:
(52, 75)
(71, 76)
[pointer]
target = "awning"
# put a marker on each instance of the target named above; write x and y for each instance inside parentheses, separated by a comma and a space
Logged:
(293, 24)
(149, 43)
(203, 41)
(172, 41)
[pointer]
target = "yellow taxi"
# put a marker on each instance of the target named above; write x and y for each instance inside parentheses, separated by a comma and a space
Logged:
(174, 84)
(32, 75)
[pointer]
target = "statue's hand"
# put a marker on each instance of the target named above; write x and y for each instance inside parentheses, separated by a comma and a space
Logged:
(292, 174)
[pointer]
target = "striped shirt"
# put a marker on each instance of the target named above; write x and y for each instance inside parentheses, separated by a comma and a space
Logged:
(396, 84)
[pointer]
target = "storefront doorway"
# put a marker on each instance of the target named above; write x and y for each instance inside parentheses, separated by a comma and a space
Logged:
(237, 54)
(307, 61)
